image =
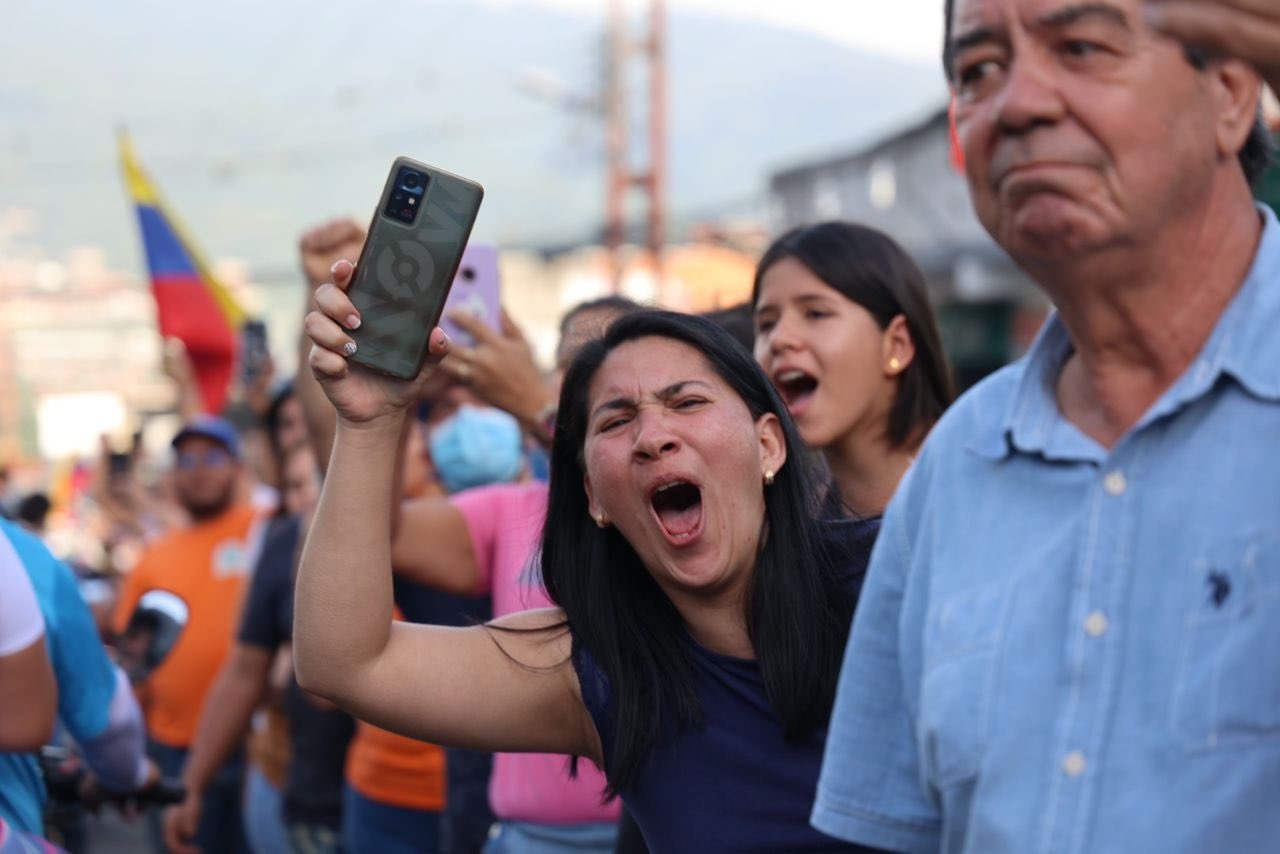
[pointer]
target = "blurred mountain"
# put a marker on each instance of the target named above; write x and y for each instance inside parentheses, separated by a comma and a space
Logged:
(259, 119)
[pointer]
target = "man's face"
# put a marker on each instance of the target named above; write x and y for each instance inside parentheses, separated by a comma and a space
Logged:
(1082, 129)
(205, 476)
(300, 482)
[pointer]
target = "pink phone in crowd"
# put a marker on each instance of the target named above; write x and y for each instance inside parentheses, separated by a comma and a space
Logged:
(475, 291)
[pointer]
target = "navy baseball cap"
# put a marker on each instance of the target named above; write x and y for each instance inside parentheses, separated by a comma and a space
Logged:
(219, 430)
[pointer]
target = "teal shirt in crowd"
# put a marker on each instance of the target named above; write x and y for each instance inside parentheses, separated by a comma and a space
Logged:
(86, 680)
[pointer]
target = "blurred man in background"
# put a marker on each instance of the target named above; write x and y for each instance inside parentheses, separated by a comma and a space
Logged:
(178, 613)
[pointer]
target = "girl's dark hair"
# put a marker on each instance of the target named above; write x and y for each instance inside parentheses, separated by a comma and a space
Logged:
(869, 268)
(797, 612)
(271, 418)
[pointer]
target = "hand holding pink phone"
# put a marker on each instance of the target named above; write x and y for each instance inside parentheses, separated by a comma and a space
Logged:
(475, 292)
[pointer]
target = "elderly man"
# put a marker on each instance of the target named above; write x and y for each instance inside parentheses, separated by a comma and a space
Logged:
(1069, 639)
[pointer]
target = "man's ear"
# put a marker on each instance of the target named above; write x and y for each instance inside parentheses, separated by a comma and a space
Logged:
(1238, 90)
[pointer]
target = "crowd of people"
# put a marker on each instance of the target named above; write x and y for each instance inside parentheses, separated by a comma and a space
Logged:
(749, 581)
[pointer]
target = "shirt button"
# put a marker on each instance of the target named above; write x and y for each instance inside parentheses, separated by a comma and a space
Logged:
(1115, 483)
(1095, 625)
(1073, 764)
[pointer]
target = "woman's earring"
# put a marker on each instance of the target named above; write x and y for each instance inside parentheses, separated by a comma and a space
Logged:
(768, 477)
(895, 365)
(601, 522)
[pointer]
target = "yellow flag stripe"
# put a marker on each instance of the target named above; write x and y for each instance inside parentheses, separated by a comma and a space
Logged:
(144, 192)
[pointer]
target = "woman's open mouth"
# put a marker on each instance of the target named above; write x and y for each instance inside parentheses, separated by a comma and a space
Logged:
(677, 505)
(797, 390)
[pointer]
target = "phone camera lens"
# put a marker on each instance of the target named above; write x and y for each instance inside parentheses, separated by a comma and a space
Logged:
(468, 274)
(411, 180)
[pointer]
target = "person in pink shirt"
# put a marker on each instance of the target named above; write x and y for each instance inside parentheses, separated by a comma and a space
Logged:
(484, 541)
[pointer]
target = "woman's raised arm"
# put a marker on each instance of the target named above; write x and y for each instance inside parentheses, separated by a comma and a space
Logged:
(500, 689)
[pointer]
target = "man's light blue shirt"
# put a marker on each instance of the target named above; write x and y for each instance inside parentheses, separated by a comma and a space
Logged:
(1064, 648)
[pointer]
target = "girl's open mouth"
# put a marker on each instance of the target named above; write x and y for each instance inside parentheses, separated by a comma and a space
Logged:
(796, 388)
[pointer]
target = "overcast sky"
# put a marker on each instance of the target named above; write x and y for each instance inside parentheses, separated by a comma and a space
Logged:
(906, 28)
(251, 115)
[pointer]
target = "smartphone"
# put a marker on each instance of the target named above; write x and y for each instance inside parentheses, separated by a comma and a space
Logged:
(402, 278)
(254, 351)
(475, 291)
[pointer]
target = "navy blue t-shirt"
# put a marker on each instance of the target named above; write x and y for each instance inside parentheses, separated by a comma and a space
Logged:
(318, 737)
(267, 619)
(737, 783)
(465, 823)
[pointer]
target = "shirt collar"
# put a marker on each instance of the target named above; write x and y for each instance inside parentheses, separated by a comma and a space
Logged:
(1244, 345)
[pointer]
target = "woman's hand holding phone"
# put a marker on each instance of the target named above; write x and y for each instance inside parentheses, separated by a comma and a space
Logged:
(361, 397)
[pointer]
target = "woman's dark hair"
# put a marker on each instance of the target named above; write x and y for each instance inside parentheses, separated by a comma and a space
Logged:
(271, 423)
(271, 418)
(797, 613)
(34, 509)
(869, 268)
(1255, 157)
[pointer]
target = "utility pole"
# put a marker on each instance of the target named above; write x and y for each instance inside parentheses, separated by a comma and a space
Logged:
(621, 49)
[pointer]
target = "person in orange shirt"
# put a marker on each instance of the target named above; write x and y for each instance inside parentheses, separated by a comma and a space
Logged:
(178, 611)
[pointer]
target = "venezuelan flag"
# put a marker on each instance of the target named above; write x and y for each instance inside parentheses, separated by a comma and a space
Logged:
(191, 304)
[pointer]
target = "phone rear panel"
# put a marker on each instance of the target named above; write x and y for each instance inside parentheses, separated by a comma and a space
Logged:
(412, 253)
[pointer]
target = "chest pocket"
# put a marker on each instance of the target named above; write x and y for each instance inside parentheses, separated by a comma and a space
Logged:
(963, 635)
(1227, 687)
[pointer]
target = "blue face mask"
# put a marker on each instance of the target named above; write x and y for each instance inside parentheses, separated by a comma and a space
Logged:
(475, 447)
